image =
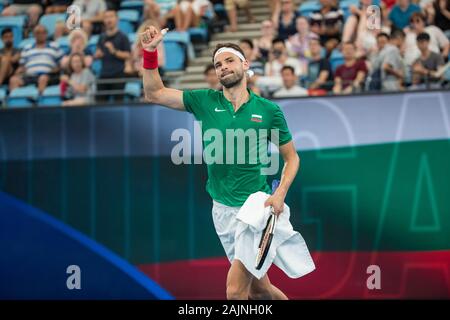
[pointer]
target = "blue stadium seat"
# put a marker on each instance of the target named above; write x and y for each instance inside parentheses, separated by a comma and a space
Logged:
(348, 3)
(306, 8)
(51, 97)
(132, 38)
(133, 89)
(336, 59)
(126, 26)
(198, 33)
(26, 41)
(128, 15)
(96, 67)
(16, 23)
(49, 22)
(220, 11)
(447, 74)
(133, 5)
(64, 43)
(22, 97)
(181, 37)
(92, 43)
(1, 44)
(175, 55)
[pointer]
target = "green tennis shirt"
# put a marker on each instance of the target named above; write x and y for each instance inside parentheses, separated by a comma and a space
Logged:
(230, 181)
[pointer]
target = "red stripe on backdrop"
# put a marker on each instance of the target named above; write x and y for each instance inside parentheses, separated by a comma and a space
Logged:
(338, 275)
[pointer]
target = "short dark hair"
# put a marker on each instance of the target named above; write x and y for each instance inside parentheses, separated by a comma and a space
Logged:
(247, 41)
(383, 34)
(288, 68)
(423, 37)
(6, 30)
(398, 34)
(277, 40)
(228, 45)
(208, 68)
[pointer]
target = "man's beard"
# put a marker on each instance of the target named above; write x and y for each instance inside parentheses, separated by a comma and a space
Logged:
(232, 81)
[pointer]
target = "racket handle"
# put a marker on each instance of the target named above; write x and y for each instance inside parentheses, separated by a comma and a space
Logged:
(275, 184)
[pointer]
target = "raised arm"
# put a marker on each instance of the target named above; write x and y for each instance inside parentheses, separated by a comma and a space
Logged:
(154, 89)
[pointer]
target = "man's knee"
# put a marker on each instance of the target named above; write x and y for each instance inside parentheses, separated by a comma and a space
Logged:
(235, 293)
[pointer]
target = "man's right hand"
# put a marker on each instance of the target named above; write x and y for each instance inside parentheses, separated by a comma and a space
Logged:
(151, 38)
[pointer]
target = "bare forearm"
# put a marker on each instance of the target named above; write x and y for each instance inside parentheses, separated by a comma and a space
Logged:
(152, 83)
(290, 169)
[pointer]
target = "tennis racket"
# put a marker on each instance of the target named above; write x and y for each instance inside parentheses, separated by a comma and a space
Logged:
(267, 235)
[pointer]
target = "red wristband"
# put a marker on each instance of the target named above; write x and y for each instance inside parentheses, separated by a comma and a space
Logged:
(150, 59)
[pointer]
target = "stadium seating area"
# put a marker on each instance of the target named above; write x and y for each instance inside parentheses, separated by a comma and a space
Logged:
(329, 50)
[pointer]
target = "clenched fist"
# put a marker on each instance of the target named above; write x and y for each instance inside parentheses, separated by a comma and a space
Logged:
(151, 38)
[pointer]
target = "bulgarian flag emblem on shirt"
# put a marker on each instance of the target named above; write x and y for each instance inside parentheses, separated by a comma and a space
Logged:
(256, 118)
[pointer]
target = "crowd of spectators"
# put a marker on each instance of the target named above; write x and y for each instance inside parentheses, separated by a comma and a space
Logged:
(330, 50)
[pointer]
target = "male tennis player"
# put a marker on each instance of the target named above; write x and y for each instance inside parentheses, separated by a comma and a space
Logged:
(229, 184)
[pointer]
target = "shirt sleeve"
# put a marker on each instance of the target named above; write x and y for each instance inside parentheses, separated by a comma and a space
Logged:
(281, 129)
(192, 100)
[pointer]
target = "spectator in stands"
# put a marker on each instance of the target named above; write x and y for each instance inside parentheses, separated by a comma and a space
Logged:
(320, 74)
(91, 14)
(438, 13)
(9, 56)
(211, 77)
(278, 58)
(188, 14)
(161, 11)
(350, 76)
(392, 63)
(290, 87)
(284, 18)
(426, 66)
(401, 13)
(152, 11)
(61, 30)
(376, 61)
(298, 44)
(327, 23)
(39, 62)
(79, 84)
(113, 49)
(231, 7)
(32, 8)
(78, 42)
(264, 43)
(133, 66)
(256, 65)
(439, 43)
(56, 6)
(356, 30)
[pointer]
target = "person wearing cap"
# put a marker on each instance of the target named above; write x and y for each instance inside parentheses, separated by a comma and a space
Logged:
(235, 108)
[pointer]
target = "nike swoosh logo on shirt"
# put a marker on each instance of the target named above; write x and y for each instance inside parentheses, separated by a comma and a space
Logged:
(219, 110)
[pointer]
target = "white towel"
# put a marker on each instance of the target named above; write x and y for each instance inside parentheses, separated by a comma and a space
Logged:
(288, 250)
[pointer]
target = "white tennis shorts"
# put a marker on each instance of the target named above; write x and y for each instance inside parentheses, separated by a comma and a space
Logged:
(225, 222)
